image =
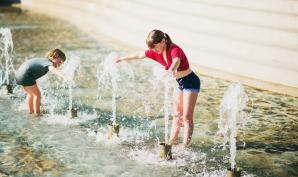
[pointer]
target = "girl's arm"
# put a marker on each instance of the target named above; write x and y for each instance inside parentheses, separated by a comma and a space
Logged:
(135, 56)
(175, 64)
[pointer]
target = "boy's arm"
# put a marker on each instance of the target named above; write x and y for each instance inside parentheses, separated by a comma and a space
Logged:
(135, 56)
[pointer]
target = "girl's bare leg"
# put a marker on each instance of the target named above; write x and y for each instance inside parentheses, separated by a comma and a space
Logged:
(177, 120)
(189, 103)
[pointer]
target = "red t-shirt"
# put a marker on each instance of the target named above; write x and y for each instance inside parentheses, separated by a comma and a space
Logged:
(172, 52)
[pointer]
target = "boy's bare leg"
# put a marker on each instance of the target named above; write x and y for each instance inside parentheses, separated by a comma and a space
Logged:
(36, 100)
(29, 100)
(30, 103)
(34, 91)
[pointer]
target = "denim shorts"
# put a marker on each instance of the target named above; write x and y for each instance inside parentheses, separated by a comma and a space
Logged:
(190, 83)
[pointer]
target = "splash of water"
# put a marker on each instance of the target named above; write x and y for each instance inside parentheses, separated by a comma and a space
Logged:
(55, 119)
(160, 75)
(68, 69)
(147, 108)
(183, 157)
(108, 74)
(232, 117)
(6, 63)
(128, 136)
(166, 107)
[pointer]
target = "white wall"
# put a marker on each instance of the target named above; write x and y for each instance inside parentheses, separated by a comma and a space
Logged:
(254, 42)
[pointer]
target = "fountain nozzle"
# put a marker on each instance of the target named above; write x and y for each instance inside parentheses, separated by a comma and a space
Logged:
(236, 172)
(165, 152)
(73, 113)
(113, 129)
(8, 88)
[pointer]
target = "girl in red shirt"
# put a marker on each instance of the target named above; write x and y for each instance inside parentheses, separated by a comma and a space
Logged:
(164, 51)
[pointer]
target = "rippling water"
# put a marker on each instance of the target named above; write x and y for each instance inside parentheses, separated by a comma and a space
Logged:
(57, 146)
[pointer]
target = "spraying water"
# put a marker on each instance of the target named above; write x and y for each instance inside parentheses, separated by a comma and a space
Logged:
(6, 48)
(109, 74)
(166, 107)
(232, 116)
(68, 70)
(160, 75)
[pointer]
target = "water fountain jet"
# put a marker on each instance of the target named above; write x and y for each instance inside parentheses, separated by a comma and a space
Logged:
(166, 148)
(69, 69)
(232, 118)
(109, 75)
(6, 64)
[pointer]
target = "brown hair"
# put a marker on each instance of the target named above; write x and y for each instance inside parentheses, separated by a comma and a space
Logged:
(156, 36)
(56, 54)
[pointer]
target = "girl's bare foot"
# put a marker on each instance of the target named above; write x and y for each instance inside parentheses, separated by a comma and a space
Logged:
(186, 145)
(36, 115)
(173, 142)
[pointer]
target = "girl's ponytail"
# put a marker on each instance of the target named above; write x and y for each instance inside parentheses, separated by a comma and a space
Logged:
(168, 39)
(156, 36)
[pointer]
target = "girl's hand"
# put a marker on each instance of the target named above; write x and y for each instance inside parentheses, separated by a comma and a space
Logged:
(118, 60)
(171, 74)
(175, 74)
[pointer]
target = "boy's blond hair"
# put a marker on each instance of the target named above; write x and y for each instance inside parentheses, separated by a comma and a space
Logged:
(56, 54)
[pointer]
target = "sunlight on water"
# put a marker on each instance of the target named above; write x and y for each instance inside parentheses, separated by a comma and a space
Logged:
(218, 173)
(126, 136)
(66, 120)
(181, 156)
